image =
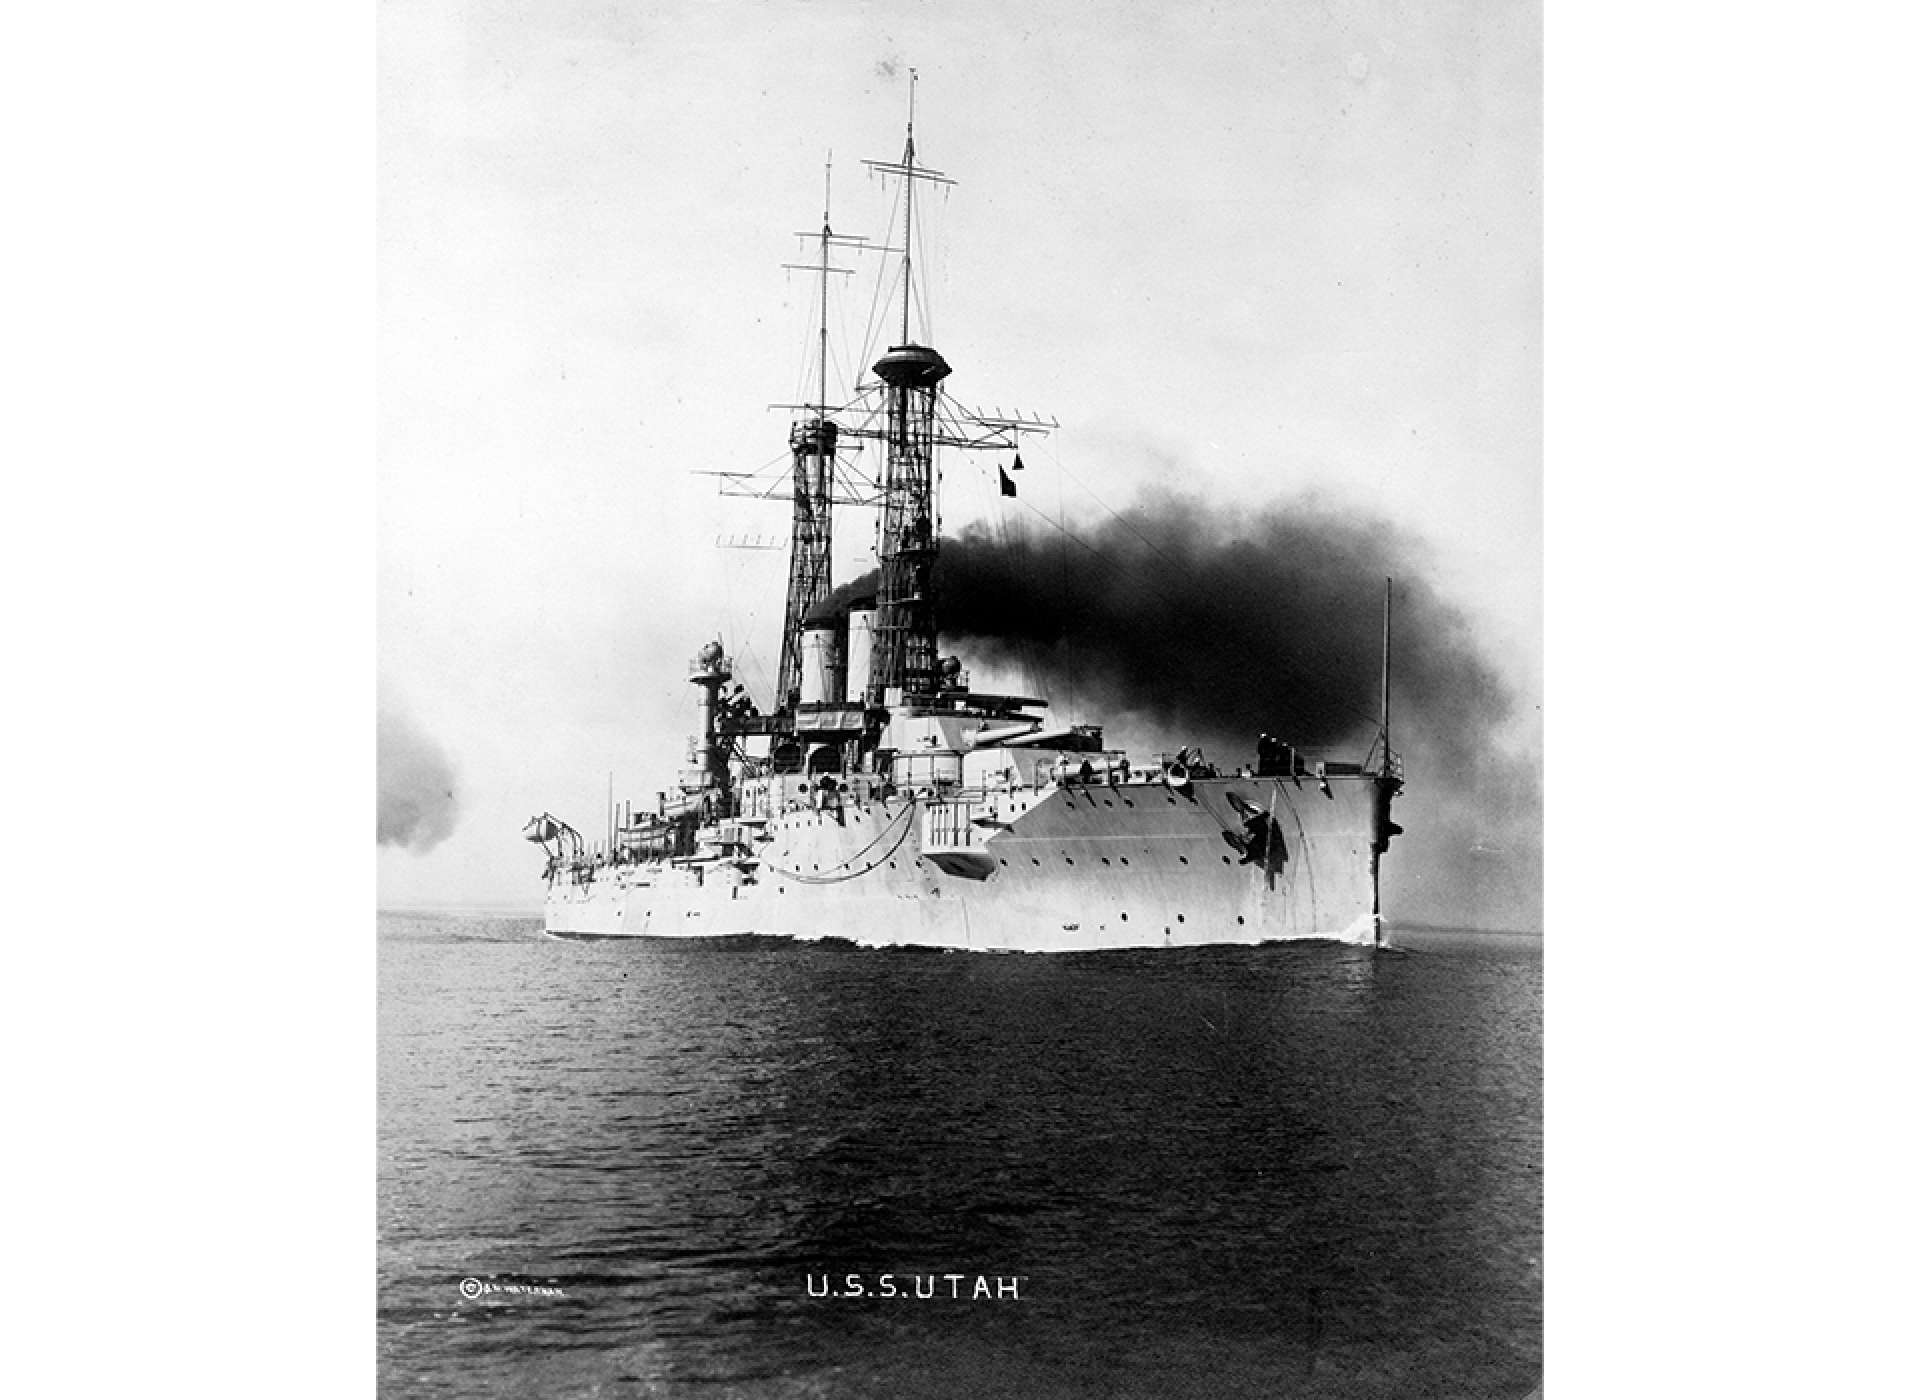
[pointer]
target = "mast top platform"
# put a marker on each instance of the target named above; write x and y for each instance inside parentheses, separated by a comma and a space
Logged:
(912, 366)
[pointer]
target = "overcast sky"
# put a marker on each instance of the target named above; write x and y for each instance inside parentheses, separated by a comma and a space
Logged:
(1247, 250)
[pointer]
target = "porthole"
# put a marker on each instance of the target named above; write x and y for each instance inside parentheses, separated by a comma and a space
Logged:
(1124, 861)
(1179, 918)
(1105, 861)
(1036, 860)
(1226, 860)
(1123, 918)
(1183, 860)
(1240, 918)
(1069, 860)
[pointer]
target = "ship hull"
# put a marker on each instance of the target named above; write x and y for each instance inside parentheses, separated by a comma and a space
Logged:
(1137, 865)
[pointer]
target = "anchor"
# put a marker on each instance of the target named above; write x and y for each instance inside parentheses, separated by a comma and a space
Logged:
(1259, 841)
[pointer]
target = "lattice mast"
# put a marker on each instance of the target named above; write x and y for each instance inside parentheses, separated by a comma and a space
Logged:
(814, 442)
(905, 635)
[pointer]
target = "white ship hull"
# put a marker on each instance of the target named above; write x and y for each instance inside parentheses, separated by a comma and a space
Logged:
(1062, 869)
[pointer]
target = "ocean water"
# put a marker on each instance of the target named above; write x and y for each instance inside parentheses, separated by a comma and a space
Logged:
(1304, 1170)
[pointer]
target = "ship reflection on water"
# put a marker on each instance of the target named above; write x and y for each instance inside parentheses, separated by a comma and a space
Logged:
(1306, 1169)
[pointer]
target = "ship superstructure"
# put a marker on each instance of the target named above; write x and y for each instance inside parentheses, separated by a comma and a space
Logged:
(879, 798)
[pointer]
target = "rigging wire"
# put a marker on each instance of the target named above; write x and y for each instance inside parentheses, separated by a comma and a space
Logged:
(1008, 531)
(1066, 592)
(881, 289)
(1011, 535)
(809, 353)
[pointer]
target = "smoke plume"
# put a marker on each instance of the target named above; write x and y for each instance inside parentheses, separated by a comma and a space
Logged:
(418, 807)
(1178, 623)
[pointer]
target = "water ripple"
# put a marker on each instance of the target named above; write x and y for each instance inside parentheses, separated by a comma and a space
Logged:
(1298, 1169)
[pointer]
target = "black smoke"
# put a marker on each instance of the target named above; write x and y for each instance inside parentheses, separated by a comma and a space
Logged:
(861, 593)
(1220, 626)
(417, 803)
(1178, 623)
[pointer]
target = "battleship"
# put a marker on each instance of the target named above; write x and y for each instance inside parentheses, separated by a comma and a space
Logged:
(881, 799)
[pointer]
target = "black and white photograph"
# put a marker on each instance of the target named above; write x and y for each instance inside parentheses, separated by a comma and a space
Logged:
(769, 699)
(959, 642)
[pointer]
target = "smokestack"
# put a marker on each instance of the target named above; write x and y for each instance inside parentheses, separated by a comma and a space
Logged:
(822, 679)
(859, 652)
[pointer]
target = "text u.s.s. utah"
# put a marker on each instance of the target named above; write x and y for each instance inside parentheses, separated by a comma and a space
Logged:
(961, 1287)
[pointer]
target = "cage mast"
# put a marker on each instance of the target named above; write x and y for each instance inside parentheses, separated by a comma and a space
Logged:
(905, 633)
(814, 442)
